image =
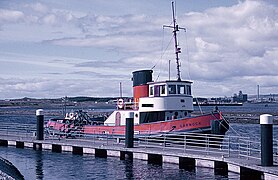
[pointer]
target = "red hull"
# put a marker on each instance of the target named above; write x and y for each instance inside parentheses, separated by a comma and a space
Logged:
(199, 123)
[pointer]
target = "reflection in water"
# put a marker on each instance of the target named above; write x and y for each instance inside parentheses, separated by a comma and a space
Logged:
(39, 165)
(42, 164)
(128, 169)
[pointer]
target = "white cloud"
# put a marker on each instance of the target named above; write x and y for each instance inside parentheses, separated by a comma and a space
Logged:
(10, 16)
(39, 7)
(45, 88)
(235, 46)
(230, 48)
(50, 19)
(206, 46)
(125, 43)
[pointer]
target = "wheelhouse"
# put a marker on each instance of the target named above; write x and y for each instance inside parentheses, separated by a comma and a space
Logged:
(170, 88)
(166, 100)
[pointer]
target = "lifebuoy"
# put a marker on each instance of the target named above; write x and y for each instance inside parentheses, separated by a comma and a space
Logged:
(71, 115)
(120, 103)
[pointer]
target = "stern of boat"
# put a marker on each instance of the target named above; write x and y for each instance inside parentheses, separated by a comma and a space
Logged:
(219, 125)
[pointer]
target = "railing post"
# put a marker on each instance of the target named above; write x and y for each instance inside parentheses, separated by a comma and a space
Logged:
(238, 141)
(164, 141)
(145, 140)
(228, 146)
(184, 142)
(107, 138)
(207, 143)
(249, 148)
(112, 137)
(94, 137)
(276, 146)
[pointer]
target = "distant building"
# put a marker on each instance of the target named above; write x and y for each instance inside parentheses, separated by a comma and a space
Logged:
(240, 97)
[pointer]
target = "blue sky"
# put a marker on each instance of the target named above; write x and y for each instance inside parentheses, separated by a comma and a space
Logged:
(50, 48)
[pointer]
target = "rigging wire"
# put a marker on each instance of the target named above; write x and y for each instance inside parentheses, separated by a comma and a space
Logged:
(226, 121)
(163, 51)
(188, 72)
(230, 126)
(162, 46)
(164, 54)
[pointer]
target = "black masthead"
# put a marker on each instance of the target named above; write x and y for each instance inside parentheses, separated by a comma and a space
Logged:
(177, 49)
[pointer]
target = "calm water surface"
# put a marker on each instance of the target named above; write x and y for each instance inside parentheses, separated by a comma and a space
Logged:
(48, 165)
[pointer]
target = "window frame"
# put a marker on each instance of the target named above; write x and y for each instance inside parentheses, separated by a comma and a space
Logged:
(172, 92)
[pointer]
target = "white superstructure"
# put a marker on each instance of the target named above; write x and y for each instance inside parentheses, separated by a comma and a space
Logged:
(166, 100)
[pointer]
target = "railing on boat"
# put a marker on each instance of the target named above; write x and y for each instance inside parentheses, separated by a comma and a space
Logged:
(218, 145)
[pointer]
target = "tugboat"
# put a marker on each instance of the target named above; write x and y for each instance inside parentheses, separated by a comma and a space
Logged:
(157, 107)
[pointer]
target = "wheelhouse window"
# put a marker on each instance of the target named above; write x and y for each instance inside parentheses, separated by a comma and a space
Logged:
(156, 91)
(151, 91)
(188, 89)
(181, 89)
(172, 89)
(162, 89)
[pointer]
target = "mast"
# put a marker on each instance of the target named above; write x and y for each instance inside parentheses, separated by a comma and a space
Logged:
(121, 92)
(176, 28)
(169, 69)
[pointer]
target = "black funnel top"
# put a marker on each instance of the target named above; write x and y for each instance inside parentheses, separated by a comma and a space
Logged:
(142, 77)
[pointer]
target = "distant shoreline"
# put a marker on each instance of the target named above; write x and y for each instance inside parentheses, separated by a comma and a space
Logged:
(99, 108)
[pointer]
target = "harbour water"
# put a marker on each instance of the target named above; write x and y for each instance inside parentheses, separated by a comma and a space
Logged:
(49, 165)
(63, 166)
(246, 108)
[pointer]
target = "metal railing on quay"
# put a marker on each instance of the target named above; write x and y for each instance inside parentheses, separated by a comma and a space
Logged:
(17, 129)
(189, 142)
(249, 148)
(275, 151)
(218, 145)
(96, 137)
(226, 146)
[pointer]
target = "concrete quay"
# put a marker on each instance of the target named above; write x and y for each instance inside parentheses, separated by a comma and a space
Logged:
(101, 147)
